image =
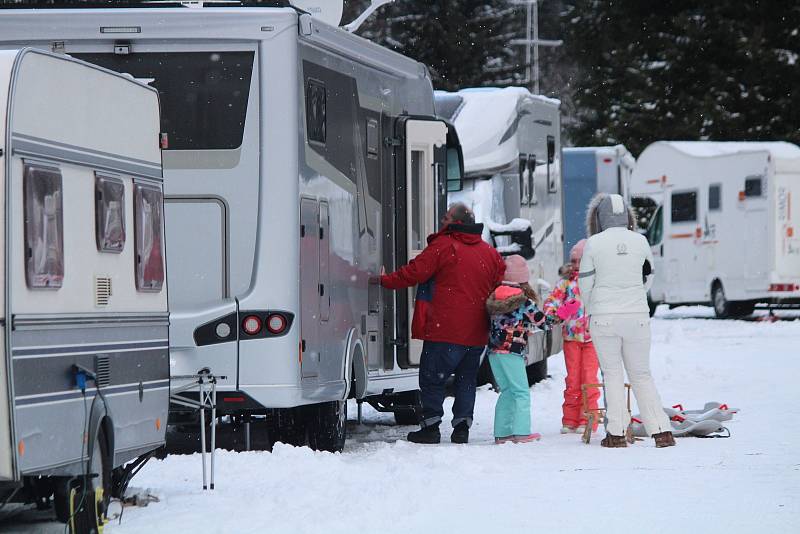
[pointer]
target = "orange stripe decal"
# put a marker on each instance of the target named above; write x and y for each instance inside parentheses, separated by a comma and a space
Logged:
(681, 236)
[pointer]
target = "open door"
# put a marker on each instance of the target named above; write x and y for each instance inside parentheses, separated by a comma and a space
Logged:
(422, 182)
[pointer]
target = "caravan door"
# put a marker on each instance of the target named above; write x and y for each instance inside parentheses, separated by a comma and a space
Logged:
(424, 184)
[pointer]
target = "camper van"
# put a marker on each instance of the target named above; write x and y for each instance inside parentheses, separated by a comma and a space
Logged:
(587, 171)
(84, 384)
(298, 160)
(724, 232)
(511, 141)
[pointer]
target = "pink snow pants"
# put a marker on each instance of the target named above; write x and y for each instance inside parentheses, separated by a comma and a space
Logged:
(581, 360)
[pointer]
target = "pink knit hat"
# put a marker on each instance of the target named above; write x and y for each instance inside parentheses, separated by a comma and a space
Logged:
(577, 250)
(516, 270)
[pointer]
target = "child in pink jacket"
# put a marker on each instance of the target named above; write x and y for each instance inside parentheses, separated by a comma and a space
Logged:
(564, 305)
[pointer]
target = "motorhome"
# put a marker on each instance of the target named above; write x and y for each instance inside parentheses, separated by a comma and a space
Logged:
(511, 141)
(84, 384)
(587, 171)
(298, 160)
(725, 228)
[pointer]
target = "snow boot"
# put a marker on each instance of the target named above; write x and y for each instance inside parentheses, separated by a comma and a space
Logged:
(460, 433)
(567, 429)
(527, 439)
(664, 439)
(500, 441)
(613, 442)
(428, 435)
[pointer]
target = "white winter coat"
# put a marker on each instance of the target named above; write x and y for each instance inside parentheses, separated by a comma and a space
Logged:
(612, 272)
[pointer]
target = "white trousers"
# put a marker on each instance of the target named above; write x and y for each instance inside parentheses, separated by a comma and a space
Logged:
(624, 340)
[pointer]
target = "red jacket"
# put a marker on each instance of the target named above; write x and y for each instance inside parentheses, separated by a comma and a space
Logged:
(464, 270)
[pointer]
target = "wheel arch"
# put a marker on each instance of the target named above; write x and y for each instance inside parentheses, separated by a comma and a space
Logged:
(355, 369)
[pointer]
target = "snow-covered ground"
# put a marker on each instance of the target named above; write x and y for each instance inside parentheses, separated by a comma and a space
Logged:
(383, 484)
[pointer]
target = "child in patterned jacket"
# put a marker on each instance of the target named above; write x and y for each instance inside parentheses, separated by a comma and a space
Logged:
(564, 305)
(514, 313)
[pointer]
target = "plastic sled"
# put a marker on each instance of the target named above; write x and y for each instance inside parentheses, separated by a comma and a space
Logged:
(682, 427)
(711, 411)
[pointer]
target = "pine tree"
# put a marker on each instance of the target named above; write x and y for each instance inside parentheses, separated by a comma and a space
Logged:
(464, 43)
(686, 69)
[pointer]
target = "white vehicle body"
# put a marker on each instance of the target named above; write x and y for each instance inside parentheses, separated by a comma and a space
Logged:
(511, 140)
(726, 229)
(289, 141)
(587, 171)
(82, 270)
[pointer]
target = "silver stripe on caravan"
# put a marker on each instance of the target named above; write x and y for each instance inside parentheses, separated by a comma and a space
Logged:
(25, 145)
(73, 395)
(49, 322)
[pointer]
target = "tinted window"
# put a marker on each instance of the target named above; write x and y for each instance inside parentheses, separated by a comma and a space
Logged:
(684, 207)
(109, 214)
(44, 227)
(656, 230)
(148, 226)
(316, 112)
(715, 197)
(753, 187)
(203, 94)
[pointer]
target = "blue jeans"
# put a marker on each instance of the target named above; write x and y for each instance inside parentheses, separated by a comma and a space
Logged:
(440, 360)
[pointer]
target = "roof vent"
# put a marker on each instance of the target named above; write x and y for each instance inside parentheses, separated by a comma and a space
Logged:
(102, 290)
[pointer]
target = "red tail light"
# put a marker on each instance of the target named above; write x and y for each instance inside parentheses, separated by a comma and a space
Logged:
(276, 323)
(784, 287)
(251, 325)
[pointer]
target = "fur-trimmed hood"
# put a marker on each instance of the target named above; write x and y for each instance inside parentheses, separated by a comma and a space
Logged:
(497, 306)
(600, 214)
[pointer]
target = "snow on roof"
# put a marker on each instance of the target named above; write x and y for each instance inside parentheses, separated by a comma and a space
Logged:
(786, 155)
(483, 118)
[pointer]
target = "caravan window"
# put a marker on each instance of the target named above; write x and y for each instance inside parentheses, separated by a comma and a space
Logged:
(684, 207)
(109, 212)
(148, 229)
(316, 112)
(417, 205)
(203, 94)
(656, 230)
(715, 197)
(44, 226)
(753, 187)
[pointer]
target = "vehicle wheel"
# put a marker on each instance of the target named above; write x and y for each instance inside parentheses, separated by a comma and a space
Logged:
(327, 425)
(723, 308)
(652, 305)
(536, 372)
(89, 499)
(485, 375)
(408, 416)
(744, 308)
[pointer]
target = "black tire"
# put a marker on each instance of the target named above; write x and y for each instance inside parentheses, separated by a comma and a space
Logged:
(327, 425)
(653, 306)
(726, 309)
(536, 372)
(485, 375)
(409, 413)
(289, 426)
(91, 496)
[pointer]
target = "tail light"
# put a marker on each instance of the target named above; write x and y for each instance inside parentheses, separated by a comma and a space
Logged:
(251, 325)
(276, 323)
(784, 287)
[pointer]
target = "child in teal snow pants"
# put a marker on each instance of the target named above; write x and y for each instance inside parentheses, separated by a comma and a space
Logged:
(514, 313)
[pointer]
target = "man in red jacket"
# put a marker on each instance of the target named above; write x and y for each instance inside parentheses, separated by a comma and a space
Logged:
(462, 270)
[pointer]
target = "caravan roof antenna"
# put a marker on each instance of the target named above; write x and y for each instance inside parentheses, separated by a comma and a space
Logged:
(374, 5)
(328, 11)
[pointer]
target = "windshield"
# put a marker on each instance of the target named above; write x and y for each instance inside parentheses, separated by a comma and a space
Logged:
(203, 94)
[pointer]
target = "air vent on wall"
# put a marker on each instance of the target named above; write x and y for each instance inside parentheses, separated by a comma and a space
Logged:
(102, 370)
(102, 290)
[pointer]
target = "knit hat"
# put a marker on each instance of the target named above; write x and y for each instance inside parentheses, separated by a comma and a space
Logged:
(608, 211)
(577, 250)
(516, 270)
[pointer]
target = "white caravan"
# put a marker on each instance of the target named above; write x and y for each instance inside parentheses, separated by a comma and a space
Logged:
(725, 232)
(298, 160)
(587, 171)
(84, 380)
(511, 141)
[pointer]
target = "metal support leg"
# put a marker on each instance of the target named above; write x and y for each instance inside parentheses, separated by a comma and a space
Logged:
(213, 401)
(359, 402)
(247, 433)
(203, 432)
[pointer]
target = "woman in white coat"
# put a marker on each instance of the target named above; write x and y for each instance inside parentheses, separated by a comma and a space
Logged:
(614, 276)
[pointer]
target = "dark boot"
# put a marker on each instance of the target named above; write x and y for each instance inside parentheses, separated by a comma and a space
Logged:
(427, 434)
(460, 433)
(613, 442)
(664, 439)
